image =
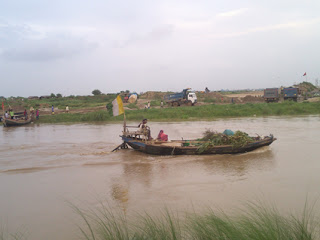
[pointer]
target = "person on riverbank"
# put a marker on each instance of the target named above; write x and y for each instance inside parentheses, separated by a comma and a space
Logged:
(37, 114)
(144, 129)
(52, 110)
(31, 110)
(148, 105)
(25, 113)
(161, 104)
(67, 109)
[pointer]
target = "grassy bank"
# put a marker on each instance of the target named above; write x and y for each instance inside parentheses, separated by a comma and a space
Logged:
(255, 221)
(196, 112)
(74, 102)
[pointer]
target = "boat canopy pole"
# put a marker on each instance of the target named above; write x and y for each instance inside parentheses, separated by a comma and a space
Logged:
(3, 118)
(124, 123)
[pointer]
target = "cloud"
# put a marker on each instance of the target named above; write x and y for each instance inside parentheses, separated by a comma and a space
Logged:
(233, 13)
(288, 25)
(156, 34)
(23, 43)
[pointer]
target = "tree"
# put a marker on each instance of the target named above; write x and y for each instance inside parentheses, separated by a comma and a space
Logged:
(96, 92)
(59, 95)
(53, 95)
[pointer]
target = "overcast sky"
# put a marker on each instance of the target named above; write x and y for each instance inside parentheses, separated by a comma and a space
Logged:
(73, 47)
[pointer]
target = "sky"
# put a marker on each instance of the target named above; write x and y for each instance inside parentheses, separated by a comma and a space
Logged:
(73, 47)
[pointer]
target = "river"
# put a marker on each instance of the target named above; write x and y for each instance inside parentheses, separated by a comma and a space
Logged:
(44, 168)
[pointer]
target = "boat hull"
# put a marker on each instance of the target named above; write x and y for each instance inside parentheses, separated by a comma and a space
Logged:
(14, 123)
(158, 149)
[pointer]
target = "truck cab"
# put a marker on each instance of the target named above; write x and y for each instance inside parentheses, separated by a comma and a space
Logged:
(192, 97)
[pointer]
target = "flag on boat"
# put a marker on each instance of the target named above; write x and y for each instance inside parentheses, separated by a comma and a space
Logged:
(117, 106)
(305, 74)
(2, 106)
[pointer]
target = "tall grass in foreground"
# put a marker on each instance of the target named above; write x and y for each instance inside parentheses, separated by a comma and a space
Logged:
(5, 235)
(256, 222)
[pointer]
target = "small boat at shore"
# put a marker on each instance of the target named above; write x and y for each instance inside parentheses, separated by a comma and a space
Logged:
(15, 122)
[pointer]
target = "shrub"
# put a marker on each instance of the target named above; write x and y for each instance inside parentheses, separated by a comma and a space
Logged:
(96, 92)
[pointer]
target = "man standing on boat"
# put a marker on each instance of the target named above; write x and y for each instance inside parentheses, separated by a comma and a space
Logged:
(145, 129)
(11, 113)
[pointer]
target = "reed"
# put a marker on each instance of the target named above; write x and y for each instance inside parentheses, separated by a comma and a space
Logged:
(6, 235)
(254, 221)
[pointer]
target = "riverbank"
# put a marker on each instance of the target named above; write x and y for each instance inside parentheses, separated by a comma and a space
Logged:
(211, 111)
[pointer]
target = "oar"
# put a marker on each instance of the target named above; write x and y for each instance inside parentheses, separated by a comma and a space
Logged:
(122, 145)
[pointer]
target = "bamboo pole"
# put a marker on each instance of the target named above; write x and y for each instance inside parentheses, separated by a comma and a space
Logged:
(124, 123)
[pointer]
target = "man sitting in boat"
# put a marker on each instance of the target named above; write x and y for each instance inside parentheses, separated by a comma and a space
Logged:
(144, 129)
(162, 136)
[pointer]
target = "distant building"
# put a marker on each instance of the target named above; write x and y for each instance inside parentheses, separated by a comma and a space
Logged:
(33, 97)
(44, 96)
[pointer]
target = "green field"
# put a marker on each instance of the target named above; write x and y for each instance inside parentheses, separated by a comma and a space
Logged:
(205, 112)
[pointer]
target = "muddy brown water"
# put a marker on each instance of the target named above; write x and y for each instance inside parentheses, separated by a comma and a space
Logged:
(43, 167)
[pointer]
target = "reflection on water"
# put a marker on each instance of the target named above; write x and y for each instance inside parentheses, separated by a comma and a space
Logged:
(41, 166)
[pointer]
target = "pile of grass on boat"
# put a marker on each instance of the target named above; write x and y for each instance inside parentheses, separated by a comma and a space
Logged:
(213, 139)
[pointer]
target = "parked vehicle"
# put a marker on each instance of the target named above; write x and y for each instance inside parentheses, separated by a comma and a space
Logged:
(185, 97)
(271, 95)
(290, 93)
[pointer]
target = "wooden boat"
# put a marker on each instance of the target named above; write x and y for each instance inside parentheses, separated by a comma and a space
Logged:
(139, 141)
(15, 122)
(180, 147)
